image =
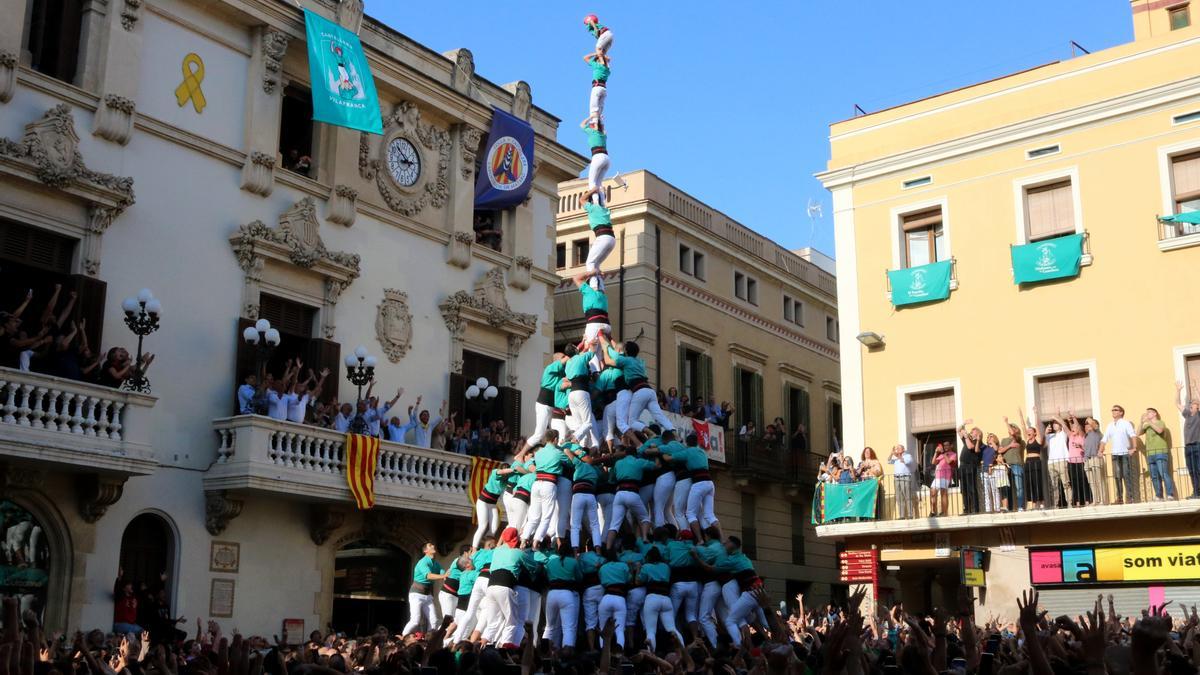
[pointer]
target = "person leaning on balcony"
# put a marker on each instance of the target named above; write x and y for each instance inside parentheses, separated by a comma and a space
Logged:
(869, 466)
(944, 461)
(1191, 436)
(968, 467)
(1120, 440)
(1093, 459)
(1157, 453)
(904, 474)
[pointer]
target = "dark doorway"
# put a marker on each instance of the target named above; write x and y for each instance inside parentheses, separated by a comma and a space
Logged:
(370, 587)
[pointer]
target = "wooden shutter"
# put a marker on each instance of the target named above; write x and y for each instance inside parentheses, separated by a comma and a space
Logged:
(89, 306)
(287, 317)
(756, 402)
(681, 373)
(931, 411)
(510, 408)
(740, 409)
(1193, 376)
(923, 220)
(805, 412)
(1069, 393)
(1050, 210)
(706, 376)
(1185, 177)
(36, 247)
(458, 398)
(328, 354)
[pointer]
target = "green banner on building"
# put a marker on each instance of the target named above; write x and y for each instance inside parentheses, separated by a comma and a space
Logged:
(343, 91)
(1047, 259)
(834, 501)
(924, 283)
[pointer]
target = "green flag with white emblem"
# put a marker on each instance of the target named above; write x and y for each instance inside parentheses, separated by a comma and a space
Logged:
(1055, 258)
(924, 283)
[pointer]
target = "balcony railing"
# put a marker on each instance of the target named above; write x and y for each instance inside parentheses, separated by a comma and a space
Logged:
(756, 460)
(1140, 501)
(259, 454)
(74, 424)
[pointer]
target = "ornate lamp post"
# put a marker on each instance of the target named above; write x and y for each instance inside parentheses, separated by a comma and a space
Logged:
(141, 315)
(266, 339)
(360, 369)
(484, 392)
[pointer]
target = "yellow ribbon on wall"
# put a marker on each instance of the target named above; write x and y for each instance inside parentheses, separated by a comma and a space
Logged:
(189, 89)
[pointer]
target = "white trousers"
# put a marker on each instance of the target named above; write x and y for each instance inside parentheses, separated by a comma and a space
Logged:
(447, 603)
(562, 495)
(613, 607)
(658, 610)
(583, 511)
(596, 102)
(634, 600)
(685, 597)
(471, 614)
(541, 413)
(679, 499)
(504, 605)
(489, 521)
(518, 511)
(562, 617)
(605, 502)
(625, 501)
(609, 422)
(710, 596)
(420, 608)
(646, 494)
(664, 498)
(592, 330)
(700, 504)
(742, 611)
(542, 511)
(622, 410)
(559, 425)
(599, 250)
(597, 170)
(582, 419)
(604, 42)
(646, 399)
(529, 610)
(591, 607)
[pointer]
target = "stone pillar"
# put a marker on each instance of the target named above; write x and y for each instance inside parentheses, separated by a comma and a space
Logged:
(118, 69)
(264, 103)
(460, 216)
(11, 34)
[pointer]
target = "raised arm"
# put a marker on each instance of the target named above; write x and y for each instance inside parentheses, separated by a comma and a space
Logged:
(316, 391)
(24, 303)
(1180, 399)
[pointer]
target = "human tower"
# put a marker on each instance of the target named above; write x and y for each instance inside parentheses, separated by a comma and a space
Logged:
(608, 518)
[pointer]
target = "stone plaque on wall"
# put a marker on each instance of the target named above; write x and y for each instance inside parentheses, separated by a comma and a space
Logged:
(224, 556)
(220, 599)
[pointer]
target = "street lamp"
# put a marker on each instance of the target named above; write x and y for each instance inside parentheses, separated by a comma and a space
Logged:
(484, 391)
(265, 339)
(141, 315)
(360, 369)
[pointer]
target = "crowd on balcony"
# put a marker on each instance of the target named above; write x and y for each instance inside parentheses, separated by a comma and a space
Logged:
(58, 345)
(698, 408)
(792, 640)
(1068, 462)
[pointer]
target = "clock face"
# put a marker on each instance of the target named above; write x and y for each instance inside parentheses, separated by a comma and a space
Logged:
(404, 164)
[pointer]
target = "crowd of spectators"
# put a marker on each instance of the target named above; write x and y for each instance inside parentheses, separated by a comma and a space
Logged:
(57, 345)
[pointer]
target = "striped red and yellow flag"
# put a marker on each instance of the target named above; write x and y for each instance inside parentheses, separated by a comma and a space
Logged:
(480, 470)
(362, 457)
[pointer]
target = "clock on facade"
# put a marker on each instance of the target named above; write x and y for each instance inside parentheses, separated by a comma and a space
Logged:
(403, 162)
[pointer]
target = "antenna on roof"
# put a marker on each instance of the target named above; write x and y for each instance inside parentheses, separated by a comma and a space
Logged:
(1076, 46)
(814, 214)
(858, 110)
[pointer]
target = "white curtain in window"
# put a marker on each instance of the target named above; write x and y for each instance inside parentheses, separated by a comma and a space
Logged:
(1069, 393)
(931, 411)
(1050, 210)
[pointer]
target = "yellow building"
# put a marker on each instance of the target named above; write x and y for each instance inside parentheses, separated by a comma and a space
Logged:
(1097, 146)
(720, 311)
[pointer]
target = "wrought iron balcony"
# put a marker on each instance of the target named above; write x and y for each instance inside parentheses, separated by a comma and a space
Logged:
(755, 460)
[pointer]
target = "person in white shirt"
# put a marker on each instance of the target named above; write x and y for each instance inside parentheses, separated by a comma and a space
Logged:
(245, 395)
(376, 412)
(1119, 441)
(303, 398)
(341, 423)
(1057, 453)
(421, 425)
(904, 470)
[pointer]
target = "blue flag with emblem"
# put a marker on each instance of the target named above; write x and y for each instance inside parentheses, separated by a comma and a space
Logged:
(1047, 259)
(923, 283)
(505, 172)
(343, 91)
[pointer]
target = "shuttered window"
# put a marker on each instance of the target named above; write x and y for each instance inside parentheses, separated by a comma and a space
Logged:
(289, 317)
(924, 237)
(1049, 211)
(931, 411)
(1185, 181)
(36, 247)
(1193, 377)
(1069, 393)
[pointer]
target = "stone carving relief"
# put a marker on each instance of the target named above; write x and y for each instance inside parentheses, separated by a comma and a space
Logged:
(296, 240)
(486, 305)
(464, 71)
(393, 324)
(258, 173)
(274, 44)
(520, 272)
(468, 141)
(433, 188)
(458, 249)
(130, 13)
(114, 119)
(219, 509)
(343, 206)
(96, 494)
(522, 103)
(350, 14)
(8, 75)
(323, 520)
(17, 477)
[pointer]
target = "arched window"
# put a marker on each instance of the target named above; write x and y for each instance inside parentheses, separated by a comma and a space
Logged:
(25, 572)
(147, 556)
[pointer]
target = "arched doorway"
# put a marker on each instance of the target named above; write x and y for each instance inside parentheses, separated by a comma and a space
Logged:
(370, 587)
(24, 558)
(148, 562)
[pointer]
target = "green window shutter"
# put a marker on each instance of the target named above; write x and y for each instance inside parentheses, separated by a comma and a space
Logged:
(706, 375)
(737, 398)
(681, 373)
(805, 411)
(757, 402)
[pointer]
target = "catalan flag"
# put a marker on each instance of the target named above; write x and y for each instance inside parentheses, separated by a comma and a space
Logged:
(480, 470)
(362, 458)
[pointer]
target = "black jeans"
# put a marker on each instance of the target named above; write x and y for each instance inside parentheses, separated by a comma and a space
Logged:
(1080, 494)
(1122, 468)
(967, 476)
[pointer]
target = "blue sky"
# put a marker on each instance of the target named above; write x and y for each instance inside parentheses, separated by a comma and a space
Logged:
(731, 101)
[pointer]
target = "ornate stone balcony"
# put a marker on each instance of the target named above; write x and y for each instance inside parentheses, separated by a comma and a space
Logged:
(74, 425)
(261, 455)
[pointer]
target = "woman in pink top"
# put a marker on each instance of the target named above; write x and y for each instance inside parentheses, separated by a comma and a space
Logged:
(944, 462)
(1076, 440)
